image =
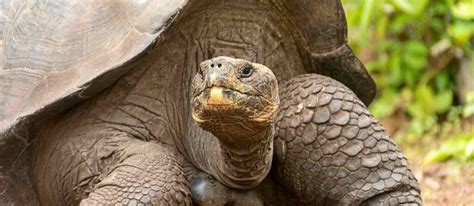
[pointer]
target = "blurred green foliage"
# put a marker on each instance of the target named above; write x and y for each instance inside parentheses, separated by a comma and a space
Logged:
(459, 147)
(413, 49)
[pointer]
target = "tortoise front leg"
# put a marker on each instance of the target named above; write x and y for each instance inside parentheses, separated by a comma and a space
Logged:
(149, 174)
(107, 168)
(331, 151)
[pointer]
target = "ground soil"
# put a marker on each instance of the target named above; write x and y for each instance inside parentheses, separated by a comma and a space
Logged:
(448, 183)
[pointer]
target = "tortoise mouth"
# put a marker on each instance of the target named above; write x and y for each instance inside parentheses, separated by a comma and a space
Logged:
(221, 96)
(225, 105)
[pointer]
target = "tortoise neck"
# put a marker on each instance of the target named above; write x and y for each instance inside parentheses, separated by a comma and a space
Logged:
(244, 165)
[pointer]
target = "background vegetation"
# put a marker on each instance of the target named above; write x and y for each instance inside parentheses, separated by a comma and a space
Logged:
(420, 54)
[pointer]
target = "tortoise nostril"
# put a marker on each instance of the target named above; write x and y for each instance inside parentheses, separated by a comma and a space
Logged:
(218, 62)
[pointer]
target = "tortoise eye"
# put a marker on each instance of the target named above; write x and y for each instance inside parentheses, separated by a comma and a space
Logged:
(246, 71)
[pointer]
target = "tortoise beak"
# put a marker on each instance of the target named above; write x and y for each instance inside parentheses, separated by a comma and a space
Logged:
(217, 97)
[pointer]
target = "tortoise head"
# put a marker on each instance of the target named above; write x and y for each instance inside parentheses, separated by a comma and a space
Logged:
(234, 97)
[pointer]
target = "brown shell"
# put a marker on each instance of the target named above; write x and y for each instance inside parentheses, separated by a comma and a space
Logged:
(325, 24)
(53, 52)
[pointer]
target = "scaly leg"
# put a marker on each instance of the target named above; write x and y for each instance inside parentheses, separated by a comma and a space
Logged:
(331, 151)
(106, 169)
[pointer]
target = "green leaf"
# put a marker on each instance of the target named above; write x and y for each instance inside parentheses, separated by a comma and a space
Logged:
(470, 149)
(412, 7)
(381, 26)
(377, 65)
(442, 81)
(415, 55)
(425, 96)
(443, 101)
(398, 24)
(437, 156)
(415, 109)
(454, 114)
(396, 75)
(385, 104)
(404, 5)
(461, 31)
(416, 127)
(459, 146)
(468, 109)
(368, 6)
(463, 10)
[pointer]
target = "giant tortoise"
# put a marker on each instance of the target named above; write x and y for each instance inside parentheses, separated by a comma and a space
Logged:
(175, 102)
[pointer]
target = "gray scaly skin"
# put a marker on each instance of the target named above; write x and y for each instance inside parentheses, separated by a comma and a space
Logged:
(327, 143)
(136, 142)
(328, 149)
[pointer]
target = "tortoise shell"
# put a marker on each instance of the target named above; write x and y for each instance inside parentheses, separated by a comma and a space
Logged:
(54, 54)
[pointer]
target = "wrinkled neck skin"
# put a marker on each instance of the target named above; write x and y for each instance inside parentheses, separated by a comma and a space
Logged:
(240, 165)
(244, 165)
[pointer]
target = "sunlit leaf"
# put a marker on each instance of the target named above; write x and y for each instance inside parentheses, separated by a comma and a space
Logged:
(443, 101)
(437, 156)
(468, 109)
(425, 96)
(461, 31)
(368, 6)
(457, 146)
(464, 10)
(404, 5)
(470, 149)
(415, 109)
(412, 7)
